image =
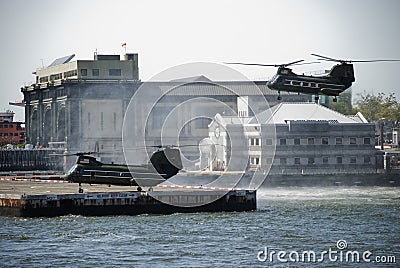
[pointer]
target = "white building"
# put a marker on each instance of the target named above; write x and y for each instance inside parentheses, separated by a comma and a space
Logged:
(298, 138)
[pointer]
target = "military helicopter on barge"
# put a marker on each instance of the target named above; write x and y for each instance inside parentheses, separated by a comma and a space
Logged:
(164, 163)
(337, 80)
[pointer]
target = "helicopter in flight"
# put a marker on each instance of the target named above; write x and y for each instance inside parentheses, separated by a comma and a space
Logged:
(337, 80)
(164, 163)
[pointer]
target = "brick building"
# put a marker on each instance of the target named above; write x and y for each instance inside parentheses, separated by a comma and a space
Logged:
(10, 132)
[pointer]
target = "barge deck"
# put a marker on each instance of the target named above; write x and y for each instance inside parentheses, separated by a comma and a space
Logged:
(24, 198)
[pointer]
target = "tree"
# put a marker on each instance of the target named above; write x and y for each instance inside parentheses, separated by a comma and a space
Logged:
(376, 107)
(343, 105)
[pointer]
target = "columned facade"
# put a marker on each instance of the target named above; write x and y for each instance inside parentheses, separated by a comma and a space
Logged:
(82, 105)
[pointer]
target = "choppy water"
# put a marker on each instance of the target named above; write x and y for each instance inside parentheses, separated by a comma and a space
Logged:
(291, 219)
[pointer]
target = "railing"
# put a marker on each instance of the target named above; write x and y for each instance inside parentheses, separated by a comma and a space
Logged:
(36, 159)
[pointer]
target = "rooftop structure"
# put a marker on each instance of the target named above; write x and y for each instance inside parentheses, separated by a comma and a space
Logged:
(285, 112)
(7, 116)
(102, 67)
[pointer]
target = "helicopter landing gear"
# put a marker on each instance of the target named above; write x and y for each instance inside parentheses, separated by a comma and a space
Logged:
(334, 99)
(80, 189)
(279, 95)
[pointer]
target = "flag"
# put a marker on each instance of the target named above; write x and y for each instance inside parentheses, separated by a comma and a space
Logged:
(124, 44)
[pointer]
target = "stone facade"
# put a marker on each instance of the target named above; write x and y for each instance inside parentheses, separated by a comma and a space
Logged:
(85, 112)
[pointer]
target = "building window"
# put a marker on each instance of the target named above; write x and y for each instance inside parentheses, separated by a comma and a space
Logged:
(202, 123)
(188, 128)
(367, 141)
(158, 118)
(254, 160)
(255, 141)
(89, 119)
(95, 72)
(44, 79)
(311, 160)
(339, 160)
(353, 140)
(101, 121)
(243, 113)
(325, 140)
(325, 160)
(55, 77)
(339, 140)
(310, 141)
(115, 121)
(70, 73)
(367, 159)
(353, 159)
(282, 141)
(84, 72)
(297, 160)
(114, 72)
(268, 141)
(296, 141)
(283, 161)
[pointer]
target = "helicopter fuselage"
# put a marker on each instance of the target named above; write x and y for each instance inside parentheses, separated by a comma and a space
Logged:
(335, 82)
(163, 165)
(112, 174)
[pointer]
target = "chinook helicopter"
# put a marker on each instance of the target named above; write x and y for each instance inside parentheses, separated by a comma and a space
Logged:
(337, 80)
(164, 163)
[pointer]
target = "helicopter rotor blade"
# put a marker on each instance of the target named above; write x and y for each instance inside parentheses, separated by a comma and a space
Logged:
(325, 58)
(380, 60)
(200, 145)
(73, 154)
(60, 154)
(253, 64)
(297, 62)
(305, 63)
(291, 63)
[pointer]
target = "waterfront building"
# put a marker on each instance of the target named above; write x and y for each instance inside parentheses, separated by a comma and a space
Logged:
(307, 139)
(81, 104)
(11, 132)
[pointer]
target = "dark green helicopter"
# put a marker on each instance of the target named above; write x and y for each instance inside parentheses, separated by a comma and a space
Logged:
(337, 80)
(164, 163)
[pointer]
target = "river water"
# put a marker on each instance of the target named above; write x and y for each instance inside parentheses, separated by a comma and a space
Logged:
(297, 222)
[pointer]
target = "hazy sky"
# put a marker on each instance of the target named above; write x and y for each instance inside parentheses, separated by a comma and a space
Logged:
(168, 33)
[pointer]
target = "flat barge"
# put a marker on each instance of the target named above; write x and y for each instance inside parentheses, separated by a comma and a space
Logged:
(44, 199)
